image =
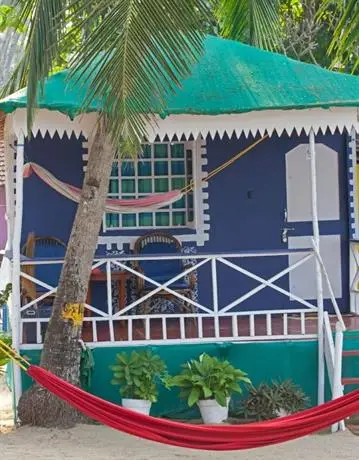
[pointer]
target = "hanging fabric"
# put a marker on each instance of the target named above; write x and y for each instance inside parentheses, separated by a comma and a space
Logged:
(151, 202)
(145, 204)
(224, 438)
(219, 437)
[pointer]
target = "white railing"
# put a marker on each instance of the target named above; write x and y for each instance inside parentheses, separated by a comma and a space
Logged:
(204, 322)
(333, 351)
(338, 389)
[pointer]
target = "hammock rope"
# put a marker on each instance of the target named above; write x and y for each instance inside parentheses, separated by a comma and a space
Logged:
(151, 202)
(219, 438)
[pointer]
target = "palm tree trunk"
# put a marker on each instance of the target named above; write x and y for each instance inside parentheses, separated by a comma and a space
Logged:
(61, 351)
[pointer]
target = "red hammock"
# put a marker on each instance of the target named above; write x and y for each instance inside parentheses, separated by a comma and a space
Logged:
(233, 437)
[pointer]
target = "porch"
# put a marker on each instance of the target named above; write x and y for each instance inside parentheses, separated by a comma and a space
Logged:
(128, 320)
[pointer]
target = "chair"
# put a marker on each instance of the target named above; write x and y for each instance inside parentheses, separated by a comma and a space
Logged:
(163, 270)
(44, 247)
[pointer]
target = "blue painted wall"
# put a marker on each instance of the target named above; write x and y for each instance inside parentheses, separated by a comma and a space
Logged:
(246, 202)
(46, 212)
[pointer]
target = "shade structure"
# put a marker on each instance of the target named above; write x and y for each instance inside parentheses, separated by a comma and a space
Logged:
(229, 78)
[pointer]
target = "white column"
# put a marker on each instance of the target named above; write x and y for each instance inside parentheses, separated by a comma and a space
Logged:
(6, 270)
(337, 378)
(319, 280)
(215, 297)
(16, 267)
(353, 247)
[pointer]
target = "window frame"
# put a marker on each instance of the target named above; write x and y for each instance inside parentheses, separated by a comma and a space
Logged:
(189, 224)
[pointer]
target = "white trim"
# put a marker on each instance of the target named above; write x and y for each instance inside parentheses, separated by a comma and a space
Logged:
(145, 342)
(213, 311)
(228, 254)
(16, 267)
(200, 230)
(6, 267)
(152, 160)
(52, 122)
(354, 224)
(218, 336)
(318, 268)
(272, 121)
(9, 139)
(353, 198)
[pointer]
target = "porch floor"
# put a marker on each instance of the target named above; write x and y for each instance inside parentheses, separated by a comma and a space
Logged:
(173, 330)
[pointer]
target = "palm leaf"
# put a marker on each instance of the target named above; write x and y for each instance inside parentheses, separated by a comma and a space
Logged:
(345, 43)
(256, 22)
(147, 49)
(141, 50)
(45, 20)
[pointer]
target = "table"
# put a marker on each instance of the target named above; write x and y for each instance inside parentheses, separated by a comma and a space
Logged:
(120, 277)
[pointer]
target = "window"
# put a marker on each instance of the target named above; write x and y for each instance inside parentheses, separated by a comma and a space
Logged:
(162, 167)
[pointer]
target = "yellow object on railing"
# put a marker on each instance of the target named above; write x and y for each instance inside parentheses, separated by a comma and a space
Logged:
(74, 312)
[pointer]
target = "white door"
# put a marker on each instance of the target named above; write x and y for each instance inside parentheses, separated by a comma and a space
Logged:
(299, 218)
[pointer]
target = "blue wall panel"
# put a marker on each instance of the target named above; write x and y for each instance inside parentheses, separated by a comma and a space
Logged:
(46, 212)
(247, 202)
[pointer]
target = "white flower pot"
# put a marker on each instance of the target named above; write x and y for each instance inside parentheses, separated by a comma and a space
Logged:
(138, 405)
(282, 413)
(212, 412)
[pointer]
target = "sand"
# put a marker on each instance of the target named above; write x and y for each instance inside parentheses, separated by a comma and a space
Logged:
(89, 442)
(99, 443)
(6, 415)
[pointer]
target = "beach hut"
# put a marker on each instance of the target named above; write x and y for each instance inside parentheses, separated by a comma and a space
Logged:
(235, 238)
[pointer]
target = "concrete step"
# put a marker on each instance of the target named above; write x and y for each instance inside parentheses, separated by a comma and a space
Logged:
(350, 381)
(351, 353)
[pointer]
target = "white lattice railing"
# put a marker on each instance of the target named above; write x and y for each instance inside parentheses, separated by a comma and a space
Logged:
(201, 322)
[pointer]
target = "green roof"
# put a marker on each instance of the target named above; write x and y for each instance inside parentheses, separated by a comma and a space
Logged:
(230, 77)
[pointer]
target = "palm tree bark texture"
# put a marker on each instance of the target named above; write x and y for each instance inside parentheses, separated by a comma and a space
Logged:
(61, 351)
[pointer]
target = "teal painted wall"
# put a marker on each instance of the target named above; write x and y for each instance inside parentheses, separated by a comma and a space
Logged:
(262, 361)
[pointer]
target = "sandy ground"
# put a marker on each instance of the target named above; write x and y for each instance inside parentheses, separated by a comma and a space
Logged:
(87, 442)
(6, 415)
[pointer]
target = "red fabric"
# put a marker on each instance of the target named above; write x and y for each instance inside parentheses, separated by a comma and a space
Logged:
(96, 271)
(224, 437)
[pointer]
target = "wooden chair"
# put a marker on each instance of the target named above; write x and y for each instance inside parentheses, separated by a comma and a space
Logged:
(46, 247)
(163, 270)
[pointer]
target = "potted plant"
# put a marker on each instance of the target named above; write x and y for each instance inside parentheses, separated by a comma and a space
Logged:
(209, 383)
(138, 375)
(275, 400)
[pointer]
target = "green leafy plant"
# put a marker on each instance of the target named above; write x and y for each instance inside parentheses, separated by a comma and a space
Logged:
(138, 374)
(5, 294)
(208, 378)
(267, 401)
(4, 359)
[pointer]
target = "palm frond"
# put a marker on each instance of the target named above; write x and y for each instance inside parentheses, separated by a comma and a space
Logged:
(256, 22)
(141, 51)
(45, 21)
(344, 46)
